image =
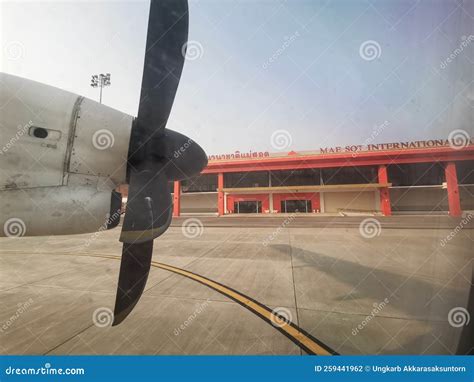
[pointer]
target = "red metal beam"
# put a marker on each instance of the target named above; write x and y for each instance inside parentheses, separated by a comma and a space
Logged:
(220, 194)
(453, 189)
(177, 198)
(384, 192)
(443, 154)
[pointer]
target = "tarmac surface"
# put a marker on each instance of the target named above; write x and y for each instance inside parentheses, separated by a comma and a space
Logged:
(255, 285)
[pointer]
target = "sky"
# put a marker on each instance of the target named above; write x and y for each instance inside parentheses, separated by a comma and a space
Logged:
(268, 75)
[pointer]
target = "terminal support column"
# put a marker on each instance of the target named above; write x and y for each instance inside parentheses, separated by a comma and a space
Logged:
(453, 189)
(220, 194)
(270, 195)
(177, 198)
(385, 205)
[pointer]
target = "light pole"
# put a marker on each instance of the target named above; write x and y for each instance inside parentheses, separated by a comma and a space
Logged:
(100, 81)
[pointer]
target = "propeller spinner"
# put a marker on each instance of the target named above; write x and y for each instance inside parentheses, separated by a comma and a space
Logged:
(152, 162)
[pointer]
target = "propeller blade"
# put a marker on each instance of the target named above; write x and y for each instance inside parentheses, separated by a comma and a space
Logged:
(134, 269)
(164, 60)
(148, 215)
(149, 206)
(156, 155)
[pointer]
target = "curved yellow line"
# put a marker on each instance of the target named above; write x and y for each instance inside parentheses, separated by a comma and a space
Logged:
(251, 305)
(267, 313)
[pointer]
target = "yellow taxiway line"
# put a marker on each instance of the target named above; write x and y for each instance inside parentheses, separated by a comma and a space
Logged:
(300, 337)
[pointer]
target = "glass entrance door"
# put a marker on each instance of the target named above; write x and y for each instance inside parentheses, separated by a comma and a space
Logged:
(295, 206)
(248, 207)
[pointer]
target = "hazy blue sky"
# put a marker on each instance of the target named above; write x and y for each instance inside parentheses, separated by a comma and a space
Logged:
(268, 65)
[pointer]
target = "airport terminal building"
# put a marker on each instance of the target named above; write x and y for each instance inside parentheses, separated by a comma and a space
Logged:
(430, 176)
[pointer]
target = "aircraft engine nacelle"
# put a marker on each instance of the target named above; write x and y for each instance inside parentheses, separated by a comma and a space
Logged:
(61, 157)
(63, 210)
